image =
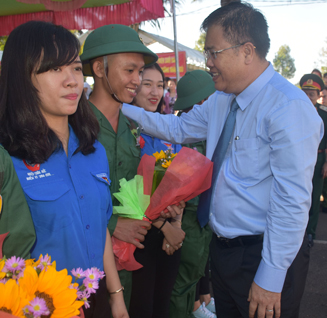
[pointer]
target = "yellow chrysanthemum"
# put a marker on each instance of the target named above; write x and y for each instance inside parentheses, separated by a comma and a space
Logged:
(160, 155)
(30, 262)
(2, 264)
(166, 163)
(173, 155)
(53, 287)
(13, 298)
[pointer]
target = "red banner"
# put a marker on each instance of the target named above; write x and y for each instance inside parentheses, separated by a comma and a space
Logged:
(167, 63)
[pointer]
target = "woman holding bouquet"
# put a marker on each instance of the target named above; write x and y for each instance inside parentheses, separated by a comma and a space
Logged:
(50, 132)
(153, 283)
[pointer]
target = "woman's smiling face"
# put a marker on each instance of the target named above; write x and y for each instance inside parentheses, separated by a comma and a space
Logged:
(150, 91)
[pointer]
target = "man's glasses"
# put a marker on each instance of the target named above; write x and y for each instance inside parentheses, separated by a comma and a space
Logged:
(213, 55)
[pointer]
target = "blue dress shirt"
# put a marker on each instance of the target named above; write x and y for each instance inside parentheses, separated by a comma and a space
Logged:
(70, 204)
(265, 183)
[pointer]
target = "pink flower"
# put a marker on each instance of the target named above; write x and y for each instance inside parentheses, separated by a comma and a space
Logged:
(90, 285)
(92, 273)
(14, 264)
(83, 296)
(101, 273)
(44, 261)
(78, 273)
(37, 307)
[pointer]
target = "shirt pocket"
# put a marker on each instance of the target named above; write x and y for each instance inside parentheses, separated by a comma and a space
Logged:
(245, 159)
(102, 182)
(49, 205)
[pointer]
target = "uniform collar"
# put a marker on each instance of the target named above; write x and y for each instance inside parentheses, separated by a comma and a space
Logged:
(123, 122)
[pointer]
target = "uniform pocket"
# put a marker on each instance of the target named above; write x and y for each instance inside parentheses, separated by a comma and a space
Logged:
(102, 182)
(49, 205)
(245, 158)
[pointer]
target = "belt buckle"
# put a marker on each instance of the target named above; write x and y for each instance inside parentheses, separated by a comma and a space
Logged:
(224, 241)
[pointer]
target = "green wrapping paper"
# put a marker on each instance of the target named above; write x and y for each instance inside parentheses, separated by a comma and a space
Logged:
(133, 201)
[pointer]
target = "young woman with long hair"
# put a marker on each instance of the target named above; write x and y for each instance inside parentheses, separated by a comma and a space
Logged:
(50, 132)
(154, 282)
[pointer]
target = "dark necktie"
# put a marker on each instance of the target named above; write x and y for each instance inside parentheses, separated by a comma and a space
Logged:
(217, 158)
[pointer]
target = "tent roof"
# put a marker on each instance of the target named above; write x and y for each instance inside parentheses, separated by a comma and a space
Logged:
(89, 14)
(193, 56)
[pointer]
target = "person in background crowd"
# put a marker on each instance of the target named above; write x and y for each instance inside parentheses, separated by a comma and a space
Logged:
(153, 283)
(316, 72)
(13, 207)
(262, 134)
(115, 56)
(166, 85)
(323, 96)
(312, 85)
(325, 79)
(189, 294)
(50, 132)
(170, 97)
(87, 90)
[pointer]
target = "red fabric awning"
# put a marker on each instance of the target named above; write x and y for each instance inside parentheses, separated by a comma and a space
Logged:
(128, 13)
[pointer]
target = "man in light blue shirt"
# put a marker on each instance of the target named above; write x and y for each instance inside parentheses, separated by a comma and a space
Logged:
(262, 195)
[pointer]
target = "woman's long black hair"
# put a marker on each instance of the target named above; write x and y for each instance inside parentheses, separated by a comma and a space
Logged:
(38, 46)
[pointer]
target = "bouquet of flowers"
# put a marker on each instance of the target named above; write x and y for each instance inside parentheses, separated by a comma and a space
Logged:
(33, 289)
(162, 179)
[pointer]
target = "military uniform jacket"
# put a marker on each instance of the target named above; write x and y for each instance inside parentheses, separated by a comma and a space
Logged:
(15, 216)
(322, 111)
(122, 152)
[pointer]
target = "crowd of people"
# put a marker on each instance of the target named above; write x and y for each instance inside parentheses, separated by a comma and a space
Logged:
(64, 149)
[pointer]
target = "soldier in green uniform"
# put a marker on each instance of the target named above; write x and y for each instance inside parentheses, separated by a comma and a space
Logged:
(312, 84)
(193, 88)
(15, 216)
(115, 56)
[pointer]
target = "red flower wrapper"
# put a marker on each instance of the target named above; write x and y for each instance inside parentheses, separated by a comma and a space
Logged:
(188, 175)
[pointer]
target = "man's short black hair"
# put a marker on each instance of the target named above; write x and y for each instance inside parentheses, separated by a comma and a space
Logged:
(241, 23)
(325, 75)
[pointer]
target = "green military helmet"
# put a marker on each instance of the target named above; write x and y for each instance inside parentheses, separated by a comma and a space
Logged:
(111, 39)
(312, 81)
(192, 88)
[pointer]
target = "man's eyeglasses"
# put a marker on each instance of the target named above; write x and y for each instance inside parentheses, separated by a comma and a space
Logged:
(213, 55)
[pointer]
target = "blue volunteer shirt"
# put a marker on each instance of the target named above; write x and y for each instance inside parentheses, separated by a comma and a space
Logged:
(70, 204)
(153, 144)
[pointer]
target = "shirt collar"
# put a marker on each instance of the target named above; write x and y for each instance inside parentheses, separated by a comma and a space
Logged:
(247, 96)
(73, 141)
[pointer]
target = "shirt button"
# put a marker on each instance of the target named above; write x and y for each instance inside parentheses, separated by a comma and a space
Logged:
(210, 214)
(81, 197)
(87, 227)
(120, 163)
(70, 166)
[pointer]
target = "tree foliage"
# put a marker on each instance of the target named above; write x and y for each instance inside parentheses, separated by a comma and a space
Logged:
(199, 44)
(284, 63)
(323, 58)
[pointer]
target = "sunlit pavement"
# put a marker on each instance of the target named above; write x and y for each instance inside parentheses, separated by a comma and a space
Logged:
(314, 301)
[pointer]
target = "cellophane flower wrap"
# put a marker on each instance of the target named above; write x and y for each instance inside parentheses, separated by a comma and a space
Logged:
(184, 177)
(33, 289)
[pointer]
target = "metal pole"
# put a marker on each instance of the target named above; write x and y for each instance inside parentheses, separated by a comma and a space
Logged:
(175, 41)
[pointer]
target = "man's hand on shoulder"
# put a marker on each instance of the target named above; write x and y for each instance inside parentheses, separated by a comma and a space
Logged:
(131, 231)
(264, 302)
